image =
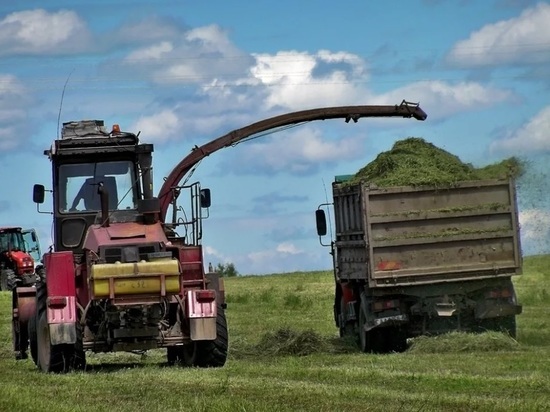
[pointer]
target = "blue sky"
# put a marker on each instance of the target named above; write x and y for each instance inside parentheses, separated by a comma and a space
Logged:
(184, 73)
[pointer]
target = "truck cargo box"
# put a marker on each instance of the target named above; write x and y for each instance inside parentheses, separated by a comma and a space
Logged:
(401, 236)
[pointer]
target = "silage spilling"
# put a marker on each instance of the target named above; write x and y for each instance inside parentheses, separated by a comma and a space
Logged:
(415, 162)
(290, 342)
(460, 342)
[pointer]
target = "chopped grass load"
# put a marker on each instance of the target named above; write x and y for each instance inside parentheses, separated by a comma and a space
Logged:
(415, 162)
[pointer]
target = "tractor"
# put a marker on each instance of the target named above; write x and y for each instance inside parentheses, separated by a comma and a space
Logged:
(117, 278)
(19, 252)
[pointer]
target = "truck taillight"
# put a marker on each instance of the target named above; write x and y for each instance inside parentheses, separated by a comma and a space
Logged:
(56, 302)
(385, 304)
(499, 293)
(205, 295)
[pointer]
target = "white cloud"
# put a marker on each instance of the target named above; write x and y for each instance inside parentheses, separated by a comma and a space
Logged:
(197, 56)
(532, 137)
(287, 247)
(290, 75)
(535, 231)
(522, 39)
(14, 103)
(41, 32)
(299, 152)
(160, 126)
(441, 99)
(154, 52)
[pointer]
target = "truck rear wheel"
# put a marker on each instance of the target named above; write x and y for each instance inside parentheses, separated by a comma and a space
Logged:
(346, 328)
(377, 340)
(505, 324)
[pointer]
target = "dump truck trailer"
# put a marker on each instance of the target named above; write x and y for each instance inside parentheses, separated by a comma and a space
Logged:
(412, 261)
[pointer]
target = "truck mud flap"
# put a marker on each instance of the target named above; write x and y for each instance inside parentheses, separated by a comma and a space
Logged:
(387, 321)
(495, 310)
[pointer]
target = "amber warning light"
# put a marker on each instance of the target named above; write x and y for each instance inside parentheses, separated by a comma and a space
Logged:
(115, 129)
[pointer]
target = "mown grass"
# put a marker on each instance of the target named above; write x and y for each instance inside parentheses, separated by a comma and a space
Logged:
(285, 356)
(416, 162)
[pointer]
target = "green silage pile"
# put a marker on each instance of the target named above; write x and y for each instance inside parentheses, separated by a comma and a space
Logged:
(415, 162)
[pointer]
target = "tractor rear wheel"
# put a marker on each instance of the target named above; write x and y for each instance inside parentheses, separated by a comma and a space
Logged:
(213, 354)
(51, 358)
(31, 327)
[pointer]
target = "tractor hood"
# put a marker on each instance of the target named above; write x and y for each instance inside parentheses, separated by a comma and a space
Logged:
(129, 233)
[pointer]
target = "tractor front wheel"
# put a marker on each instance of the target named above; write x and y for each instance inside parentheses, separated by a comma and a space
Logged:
(213, 354)
(7, 279)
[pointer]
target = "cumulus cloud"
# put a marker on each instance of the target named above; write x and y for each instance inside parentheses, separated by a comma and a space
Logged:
(288, 74)
(42, 32)
(299, 152)
(531, 137)
(14, 102)
(198, 56)
(522, 39)
(159, 126)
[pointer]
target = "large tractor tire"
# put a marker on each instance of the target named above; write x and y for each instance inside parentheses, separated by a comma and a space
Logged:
(7, 279)
(213, 354)
(54, 358)
(33, 339)
(185, 355)
(204, 354)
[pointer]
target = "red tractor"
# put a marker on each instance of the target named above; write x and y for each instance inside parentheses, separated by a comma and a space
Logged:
(18, 250)
(119, 279)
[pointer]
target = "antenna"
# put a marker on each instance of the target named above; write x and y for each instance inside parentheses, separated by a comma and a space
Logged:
(61, 103)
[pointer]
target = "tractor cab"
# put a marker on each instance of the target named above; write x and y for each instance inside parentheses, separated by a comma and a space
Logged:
(98, 178)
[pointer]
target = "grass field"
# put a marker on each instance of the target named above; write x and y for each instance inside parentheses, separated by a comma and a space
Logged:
(261, 376)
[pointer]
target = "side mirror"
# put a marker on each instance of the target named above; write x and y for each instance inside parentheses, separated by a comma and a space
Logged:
(321, 222)
(38, 193)
(33, 236)
(205, 198)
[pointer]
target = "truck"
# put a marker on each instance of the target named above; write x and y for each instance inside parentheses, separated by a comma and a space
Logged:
(19, 257)
(422, 260)
(119, 275)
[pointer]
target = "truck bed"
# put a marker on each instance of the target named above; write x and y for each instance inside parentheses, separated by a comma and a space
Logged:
(404, 236)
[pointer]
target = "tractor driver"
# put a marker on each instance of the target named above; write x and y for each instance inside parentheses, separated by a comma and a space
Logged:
(89, 193)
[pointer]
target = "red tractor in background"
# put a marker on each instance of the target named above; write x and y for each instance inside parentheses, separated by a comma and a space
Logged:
(19, 252)
(119, 277)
